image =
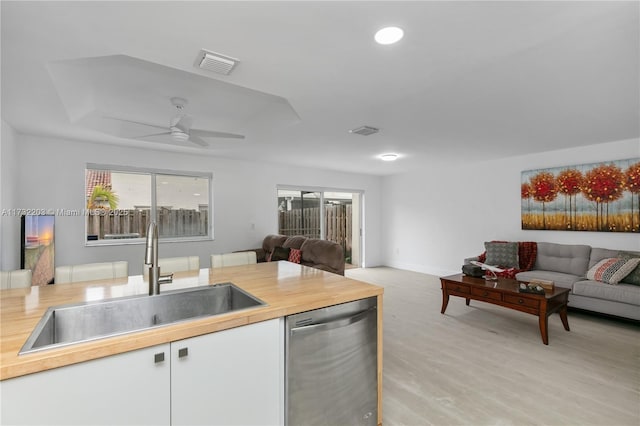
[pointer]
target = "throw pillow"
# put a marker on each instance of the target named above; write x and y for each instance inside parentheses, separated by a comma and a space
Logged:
(295, 255)
(612, 270)
(634, 276)
(280, 253)
(502, 254)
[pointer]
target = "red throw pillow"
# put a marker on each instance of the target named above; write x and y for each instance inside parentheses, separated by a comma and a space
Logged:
(295, 255)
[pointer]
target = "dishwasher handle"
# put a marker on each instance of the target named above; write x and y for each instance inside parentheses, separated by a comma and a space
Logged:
(343, 322)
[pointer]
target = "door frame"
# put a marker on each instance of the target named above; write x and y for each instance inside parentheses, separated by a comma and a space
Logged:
(360, 193)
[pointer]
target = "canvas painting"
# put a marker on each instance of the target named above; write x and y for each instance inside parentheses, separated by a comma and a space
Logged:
(601, 197)
(38, 252)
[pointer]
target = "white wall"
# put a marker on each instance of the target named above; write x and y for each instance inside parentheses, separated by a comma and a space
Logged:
(9, 224)
(244, 195)
(435, 218)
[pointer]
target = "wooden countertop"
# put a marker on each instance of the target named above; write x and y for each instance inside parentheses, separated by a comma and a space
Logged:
(287, 288)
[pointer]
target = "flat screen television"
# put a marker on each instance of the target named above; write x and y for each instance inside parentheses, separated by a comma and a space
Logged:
(38, 251)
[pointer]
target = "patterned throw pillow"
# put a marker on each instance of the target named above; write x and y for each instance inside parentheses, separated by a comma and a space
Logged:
(612, 270)
(634, 276)
(502, 254)
(295, 255)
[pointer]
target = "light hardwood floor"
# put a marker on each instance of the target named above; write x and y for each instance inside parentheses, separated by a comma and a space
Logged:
(486, 365)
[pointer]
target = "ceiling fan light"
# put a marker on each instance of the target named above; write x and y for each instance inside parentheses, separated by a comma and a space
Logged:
(179, 136)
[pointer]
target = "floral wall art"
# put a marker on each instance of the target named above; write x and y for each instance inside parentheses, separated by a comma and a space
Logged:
(603, 197)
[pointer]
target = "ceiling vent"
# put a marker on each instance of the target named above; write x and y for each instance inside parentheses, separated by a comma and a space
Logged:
(215, 62)
(364, 130)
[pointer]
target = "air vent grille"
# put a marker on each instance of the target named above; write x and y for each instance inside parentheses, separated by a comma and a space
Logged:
(364, 130)
(215, 62)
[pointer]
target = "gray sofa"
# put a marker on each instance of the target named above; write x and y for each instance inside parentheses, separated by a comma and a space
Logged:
(567, 266)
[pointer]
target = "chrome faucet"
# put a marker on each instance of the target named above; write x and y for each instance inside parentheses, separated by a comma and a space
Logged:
(151, 258)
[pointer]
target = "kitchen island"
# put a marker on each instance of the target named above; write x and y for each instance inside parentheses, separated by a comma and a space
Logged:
(286, 288)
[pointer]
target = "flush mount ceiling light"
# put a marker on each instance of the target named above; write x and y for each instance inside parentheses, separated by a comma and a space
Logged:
(389, 157)
(389, 35)
(215, 62)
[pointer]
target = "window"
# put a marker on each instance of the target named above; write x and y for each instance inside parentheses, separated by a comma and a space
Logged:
(121, 202)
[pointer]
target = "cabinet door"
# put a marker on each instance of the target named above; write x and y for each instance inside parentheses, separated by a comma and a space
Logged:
(125, 389)
(232, 377)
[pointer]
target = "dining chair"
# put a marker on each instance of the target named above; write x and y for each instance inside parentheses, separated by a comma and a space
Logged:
(169, 265)
(91, 271)
(233, 259)
(19, 278)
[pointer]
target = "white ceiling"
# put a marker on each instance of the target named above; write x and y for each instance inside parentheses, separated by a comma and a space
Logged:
(468, 79)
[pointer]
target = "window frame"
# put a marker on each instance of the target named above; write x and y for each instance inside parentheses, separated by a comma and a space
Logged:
(153, 173)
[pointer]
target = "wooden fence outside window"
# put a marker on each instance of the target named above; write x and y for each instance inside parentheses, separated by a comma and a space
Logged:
(133, 223)
(337, 224)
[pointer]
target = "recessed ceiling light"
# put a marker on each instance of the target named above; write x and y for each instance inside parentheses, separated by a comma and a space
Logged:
(389, 157)
(195, 194)
(389, 35)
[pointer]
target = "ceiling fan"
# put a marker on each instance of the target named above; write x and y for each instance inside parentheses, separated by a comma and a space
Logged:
(180, 127)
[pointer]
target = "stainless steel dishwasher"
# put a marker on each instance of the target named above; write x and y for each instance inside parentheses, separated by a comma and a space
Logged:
(331, 365)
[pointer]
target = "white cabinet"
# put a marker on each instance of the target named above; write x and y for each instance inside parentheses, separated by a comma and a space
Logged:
(231, 377)
(125, 389)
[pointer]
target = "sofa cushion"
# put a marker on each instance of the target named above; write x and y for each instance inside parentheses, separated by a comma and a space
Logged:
(559, 278)
(625, 293)
(317, 252)
(294, 242)
(634, 276)
(566, 258)
(502, 254)
(280, 253)
(597, 254)
(612, 270)
(272, 241)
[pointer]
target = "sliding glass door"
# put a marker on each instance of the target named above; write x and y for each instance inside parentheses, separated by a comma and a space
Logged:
(330, 215)
(299, 213)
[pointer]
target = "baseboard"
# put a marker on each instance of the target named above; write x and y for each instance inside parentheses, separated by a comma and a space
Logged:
(424, 269)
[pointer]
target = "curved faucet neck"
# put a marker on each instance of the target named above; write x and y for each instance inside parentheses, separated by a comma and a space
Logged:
(151, 258)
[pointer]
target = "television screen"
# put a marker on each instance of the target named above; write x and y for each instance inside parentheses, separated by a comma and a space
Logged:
(38, 253)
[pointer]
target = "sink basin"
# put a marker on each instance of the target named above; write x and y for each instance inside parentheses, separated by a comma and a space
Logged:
(69, 324)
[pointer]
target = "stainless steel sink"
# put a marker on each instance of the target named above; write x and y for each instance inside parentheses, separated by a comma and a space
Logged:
(69, 324)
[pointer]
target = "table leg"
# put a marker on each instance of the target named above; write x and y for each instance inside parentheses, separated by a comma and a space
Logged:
(563, 317)
(467, 301)
(543, 320)
(445, 300)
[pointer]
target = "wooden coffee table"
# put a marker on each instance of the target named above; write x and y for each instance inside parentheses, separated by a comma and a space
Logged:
(504, 292)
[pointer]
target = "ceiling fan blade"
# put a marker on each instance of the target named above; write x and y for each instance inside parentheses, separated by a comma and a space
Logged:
(214, 134)
(135, 122)
(152, 134)
(197, 140)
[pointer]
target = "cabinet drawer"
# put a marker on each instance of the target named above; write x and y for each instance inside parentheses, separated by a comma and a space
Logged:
(457, 288)
(486, 294)
(521, 301)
